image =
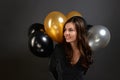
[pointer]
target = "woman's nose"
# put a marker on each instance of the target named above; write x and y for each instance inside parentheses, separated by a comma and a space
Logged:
(66, 32)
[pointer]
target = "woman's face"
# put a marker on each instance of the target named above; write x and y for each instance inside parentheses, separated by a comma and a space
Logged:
(70, 32)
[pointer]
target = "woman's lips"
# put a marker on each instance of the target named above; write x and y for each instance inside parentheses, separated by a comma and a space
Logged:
(67, 38)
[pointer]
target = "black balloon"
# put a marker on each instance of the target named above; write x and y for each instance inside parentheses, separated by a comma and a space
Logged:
(40, 44)
(89, 26)
(36, 27)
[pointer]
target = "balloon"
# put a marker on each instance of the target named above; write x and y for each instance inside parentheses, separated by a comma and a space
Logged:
(73, 13)
(53, 23)
(35, 28)
(98, 36)
(40, 44)
(89, 26)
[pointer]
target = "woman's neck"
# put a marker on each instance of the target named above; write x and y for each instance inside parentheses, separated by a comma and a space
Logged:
(76, 53)
(74, 46)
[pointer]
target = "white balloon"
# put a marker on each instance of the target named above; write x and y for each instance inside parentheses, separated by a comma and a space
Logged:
(98, 36)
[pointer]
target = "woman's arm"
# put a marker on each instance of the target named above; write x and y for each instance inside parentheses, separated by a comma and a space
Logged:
(53, 64)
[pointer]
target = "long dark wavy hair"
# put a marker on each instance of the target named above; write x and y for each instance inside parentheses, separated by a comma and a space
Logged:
(82, 42)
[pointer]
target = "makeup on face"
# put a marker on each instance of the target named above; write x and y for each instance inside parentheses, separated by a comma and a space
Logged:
(70, 32)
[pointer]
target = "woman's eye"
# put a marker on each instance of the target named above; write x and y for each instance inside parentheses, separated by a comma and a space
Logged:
(71, 30)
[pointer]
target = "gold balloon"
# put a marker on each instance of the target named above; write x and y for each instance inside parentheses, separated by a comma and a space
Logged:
(73, 13)
(53, 24)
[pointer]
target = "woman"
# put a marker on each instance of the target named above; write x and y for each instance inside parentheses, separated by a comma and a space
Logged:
(71, 59)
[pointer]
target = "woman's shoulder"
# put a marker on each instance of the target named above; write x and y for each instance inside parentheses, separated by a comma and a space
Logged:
(59, 46)
(59, 50)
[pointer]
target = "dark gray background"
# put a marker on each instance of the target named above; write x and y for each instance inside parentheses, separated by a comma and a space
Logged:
(16, 16)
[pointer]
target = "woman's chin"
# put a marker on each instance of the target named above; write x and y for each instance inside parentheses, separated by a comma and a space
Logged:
(68, 41)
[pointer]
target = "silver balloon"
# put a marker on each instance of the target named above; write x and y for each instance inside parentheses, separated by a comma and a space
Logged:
(98, 36)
